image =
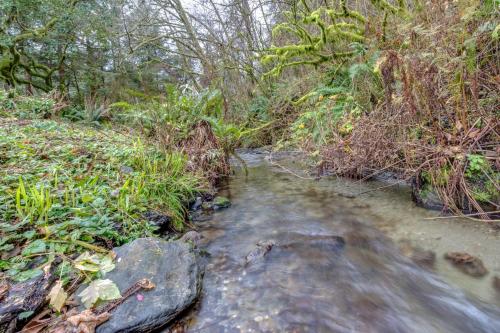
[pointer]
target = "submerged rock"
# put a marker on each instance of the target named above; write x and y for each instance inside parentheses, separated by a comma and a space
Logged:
(191, 237)
(423, 258)
(362, 239)
(217, 203)
(171, 266)
(468, 264)
(496, 283)
(207, 205)
(295, 241)
(221, 202)
(260, 251)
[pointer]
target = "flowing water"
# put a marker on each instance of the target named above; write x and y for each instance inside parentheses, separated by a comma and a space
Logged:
(311, 280)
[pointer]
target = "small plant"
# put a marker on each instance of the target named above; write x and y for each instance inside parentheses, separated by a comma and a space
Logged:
(476, 166)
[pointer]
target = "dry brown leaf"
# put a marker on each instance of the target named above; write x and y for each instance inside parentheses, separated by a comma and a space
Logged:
(474, 133)
(87, 321)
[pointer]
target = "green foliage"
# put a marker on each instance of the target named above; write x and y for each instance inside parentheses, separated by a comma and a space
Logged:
(321, 35)
(483, 179)
(477, 165)
(173, 114)
(26, 107)
(334, 107)
(231, 136)
(24, 26)
(259, 108)
(66, 187)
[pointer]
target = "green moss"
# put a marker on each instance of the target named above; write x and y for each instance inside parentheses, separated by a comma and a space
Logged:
(222, 202)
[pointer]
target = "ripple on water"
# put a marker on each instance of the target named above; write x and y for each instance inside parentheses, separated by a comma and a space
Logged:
(310, 281)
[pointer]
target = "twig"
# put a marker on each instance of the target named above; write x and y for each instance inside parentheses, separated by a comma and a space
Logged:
(382, 187)
(464, 215)
(288, 170)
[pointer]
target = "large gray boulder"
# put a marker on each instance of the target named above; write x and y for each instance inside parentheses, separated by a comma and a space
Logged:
(171, 266)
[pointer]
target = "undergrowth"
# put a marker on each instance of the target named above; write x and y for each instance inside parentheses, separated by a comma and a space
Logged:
(406, 87)
(66, 187)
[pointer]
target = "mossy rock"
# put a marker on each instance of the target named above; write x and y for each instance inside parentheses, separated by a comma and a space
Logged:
(221, 202)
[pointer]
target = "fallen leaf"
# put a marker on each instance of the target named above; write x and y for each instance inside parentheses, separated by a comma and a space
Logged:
(84, 322)
(474, 133)
(57, 296)
(104, 290)
(95, 262)
(25, 315)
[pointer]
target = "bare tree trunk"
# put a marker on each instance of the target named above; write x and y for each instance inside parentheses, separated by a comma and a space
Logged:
(195, 43)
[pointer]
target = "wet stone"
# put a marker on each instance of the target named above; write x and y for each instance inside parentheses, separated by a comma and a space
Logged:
(196, 204)
(496, 283)
(207, 205)
(191, 237)
(174, 270)
(467, 263)
(221, 202)
(296, 241)
(260, 251)
(161, 221)
(423, 258)
(425, 197)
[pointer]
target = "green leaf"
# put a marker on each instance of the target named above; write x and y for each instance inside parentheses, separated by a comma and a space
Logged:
(29, 234)
(99, 290)
(27, 275)
(94, 263)
(86, 198)
(37, 246)
(496, 32)
(25, 315)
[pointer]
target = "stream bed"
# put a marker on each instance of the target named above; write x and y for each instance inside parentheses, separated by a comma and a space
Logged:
(336, 264)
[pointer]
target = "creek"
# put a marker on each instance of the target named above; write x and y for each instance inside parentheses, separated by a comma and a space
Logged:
(309, 281)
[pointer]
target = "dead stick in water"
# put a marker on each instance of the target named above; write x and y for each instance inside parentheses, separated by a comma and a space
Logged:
(382, 187)
(288, 170)
(464, 215)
